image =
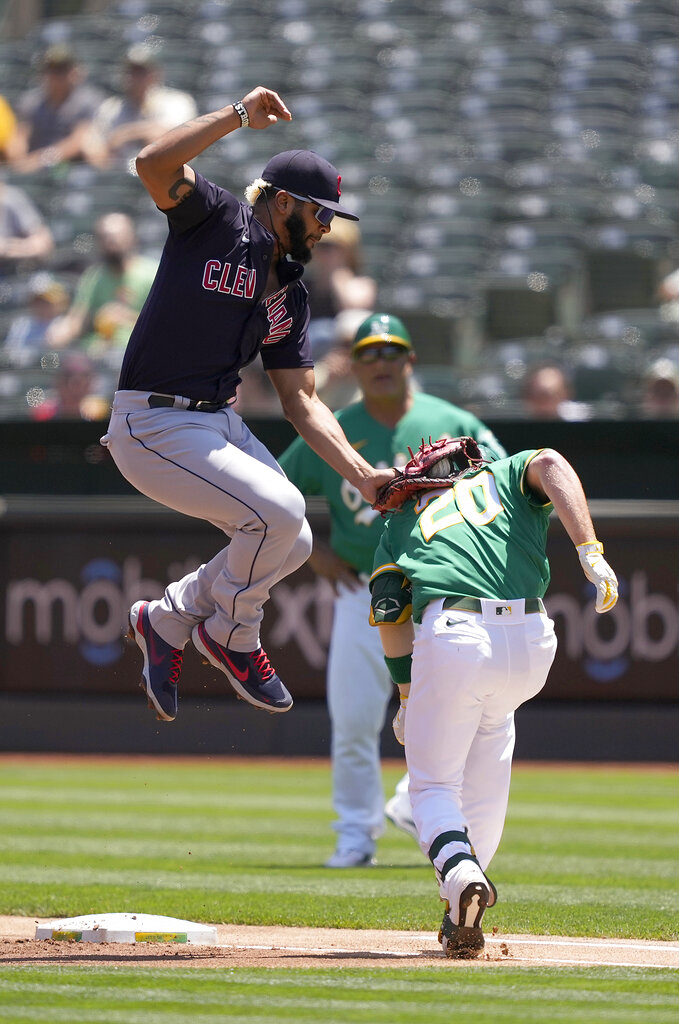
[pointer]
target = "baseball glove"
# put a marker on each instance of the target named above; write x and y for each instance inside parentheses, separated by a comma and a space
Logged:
(434, 465)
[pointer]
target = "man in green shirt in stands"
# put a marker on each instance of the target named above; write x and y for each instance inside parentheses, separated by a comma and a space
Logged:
(109, 294)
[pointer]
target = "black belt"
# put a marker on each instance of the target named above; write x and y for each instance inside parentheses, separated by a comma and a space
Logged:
(473, 604)
(167, 401)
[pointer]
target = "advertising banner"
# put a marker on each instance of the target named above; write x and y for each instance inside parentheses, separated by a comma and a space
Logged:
(70, 574)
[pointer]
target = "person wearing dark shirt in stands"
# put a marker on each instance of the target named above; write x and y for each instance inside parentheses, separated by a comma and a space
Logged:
(54, 119)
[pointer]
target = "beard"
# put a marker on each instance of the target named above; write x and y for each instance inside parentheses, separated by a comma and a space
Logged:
(298, 248)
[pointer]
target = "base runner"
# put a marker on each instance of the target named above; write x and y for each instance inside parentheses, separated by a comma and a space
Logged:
(466, 555)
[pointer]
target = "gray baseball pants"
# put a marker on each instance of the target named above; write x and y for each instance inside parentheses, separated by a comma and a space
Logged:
(209, 465)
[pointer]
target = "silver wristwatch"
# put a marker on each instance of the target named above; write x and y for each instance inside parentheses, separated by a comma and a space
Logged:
(242, 113)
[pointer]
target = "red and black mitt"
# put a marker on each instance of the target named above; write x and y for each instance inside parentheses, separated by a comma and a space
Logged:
(434, 465)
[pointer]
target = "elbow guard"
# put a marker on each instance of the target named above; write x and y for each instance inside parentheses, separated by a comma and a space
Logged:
(391, 600)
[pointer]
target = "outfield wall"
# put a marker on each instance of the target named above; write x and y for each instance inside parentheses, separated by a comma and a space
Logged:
(71, 566)
(77, 546)
(615, 459)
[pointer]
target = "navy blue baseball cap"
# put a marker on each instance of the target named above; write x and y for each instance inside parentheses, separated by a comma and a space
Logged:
(306, 173)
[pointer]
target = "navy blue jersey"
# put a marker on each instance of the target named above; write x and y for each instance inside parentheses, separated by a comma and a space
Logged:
(205, 316)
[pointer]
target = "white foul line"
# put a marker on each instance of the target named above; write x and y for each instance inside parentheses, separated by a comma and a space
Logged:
(586, 963)
(584, 942)
(495, 941)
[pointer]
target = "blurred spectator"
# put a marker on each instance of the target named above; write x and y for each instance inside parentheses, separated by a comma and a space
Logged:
(661, 390)
(8, 132)
(55, 117)
(335, 380)
(109, 294)
(24, 235)
(546, 395)
(147, 109)
(335, 282)
(668, 289)
(27, 336)
(668, 297)
(75, 396)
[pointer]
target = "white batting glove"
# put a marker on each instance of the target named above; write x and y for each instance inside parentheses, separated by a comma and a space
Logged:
(598, 571)
(398, 723)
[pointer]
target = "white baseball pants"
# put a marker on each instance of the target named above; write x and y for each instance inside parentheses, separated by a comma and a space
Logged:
(470, 672)
(359, 690)
(209, 465)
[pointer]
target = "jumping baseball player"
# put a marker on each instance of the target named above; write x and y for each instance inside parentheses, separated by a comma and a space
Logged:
(228, 288)
(390, 416)
(465, 553)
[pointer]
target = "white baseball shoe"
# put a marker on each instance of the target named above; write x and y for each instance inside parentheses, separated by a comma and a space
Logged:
(350, 859)
(398, 811)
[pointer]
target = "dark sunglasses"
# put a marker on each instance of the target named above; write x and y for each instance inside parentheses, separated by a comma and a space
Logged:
(323, 215)
(371, 353)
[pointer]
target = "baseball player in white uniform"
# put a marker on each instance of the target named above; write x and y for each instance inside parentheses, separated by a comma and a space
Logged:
(468, 560)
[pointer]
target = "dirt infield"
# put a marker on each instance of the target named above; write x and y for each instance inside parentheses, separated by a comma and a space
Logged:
(251, 946)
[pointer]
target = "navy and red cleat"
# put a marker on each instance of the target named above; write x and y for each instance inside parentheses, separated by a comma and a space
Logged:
(250, 673)
(162, 664)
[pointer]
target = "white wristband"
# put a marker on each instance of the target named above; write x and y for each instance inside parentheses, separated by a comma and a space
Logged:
(242, 113)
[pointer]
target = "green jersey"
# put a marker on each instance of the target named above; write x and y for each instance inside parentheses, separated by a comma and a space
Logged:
(355, 528)
(99, 285)
(484, 537)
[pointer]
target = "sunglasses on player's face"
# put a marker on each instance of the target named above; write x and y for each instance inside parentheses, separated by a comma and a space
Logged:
(371, 353)
(323, 215)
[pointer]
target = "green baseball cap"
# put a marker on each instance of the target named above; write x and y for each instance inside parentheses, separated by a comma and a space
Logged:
(381, 329)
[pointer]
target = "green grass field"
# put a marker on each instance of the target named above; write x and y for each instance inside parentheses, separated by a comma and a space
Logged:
(529, 996)
(585, 852)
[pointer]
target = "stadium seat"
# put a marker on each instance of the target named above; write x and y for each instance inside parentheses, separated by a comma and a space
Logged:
(513, 308)
(555, 122)
(624, 260)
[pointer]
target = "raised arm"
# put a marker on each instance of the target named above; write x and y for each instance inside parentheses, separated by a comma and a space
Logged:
(163, 165)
